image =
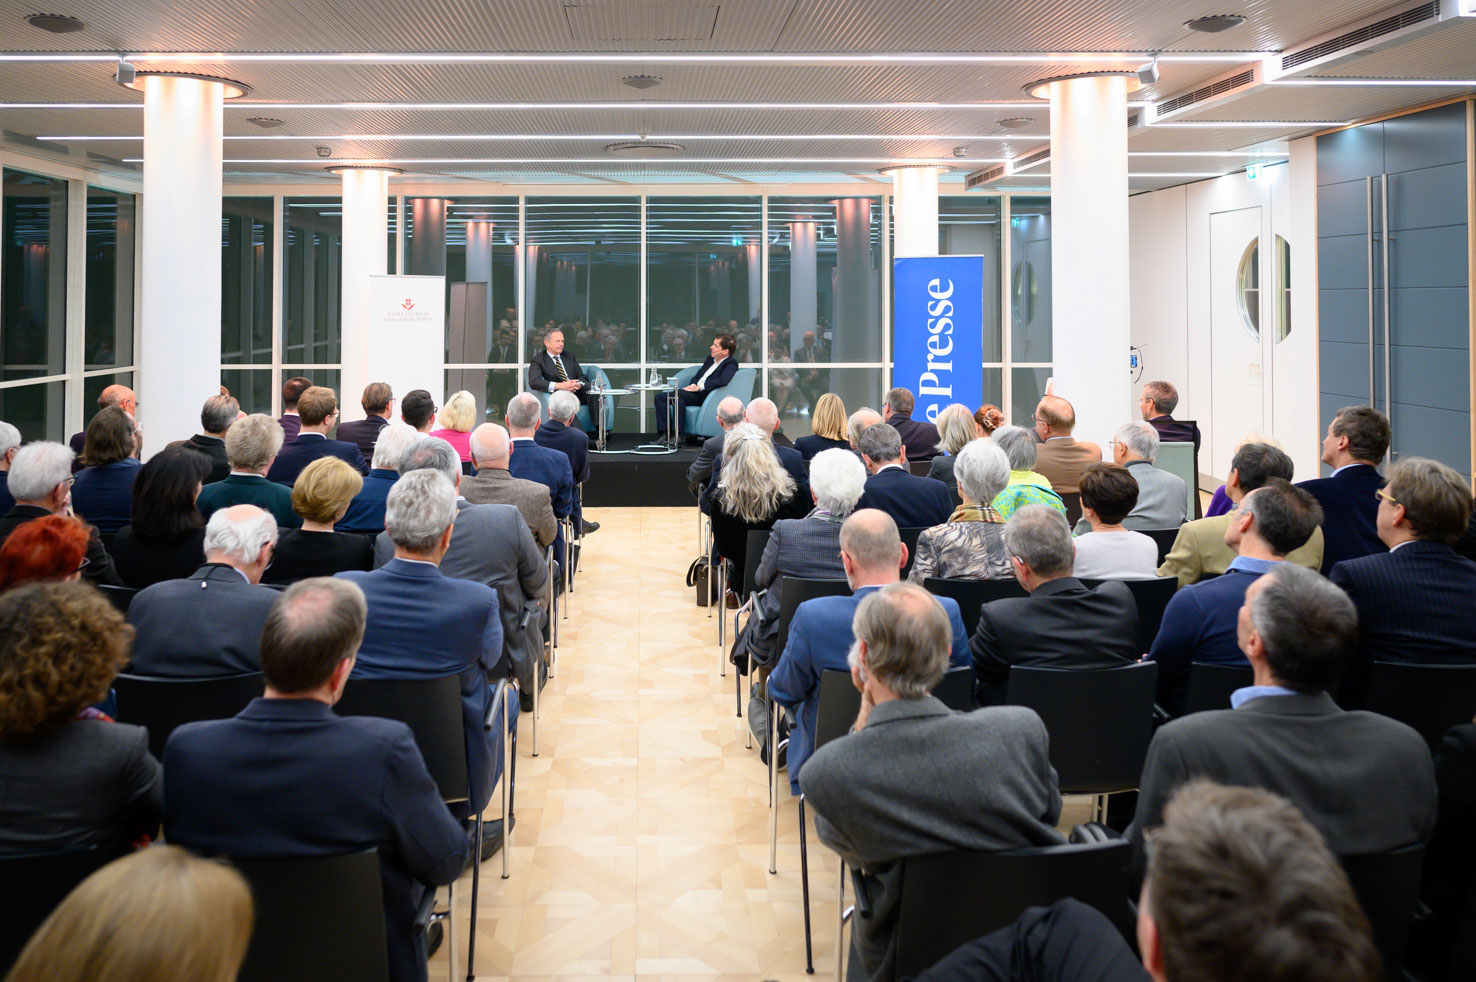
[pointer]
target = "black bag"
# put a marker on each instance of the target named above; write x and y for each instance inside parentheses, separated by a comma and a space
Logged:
(701, 576)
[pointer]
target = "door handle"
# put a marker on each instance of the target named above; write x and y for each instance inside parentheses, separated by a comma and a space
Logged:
(1388, 290)
(1369, 240)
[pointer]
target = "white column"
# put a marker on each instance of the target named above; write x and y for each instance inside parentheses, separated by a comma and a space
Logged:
(802, 285)
(365, 254)
(179, 330)
(1089, 251)
(914, 211)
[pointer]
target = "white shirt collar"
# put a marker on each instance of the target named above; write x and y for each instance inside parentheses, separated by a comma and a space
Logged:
(1403, 544)
(422, 562)
(1356, 463)
(522, 439)
(887, 467)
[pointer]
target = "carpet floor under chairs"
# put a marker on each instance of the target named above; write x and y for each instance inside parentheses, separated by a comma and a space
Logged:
(641, 847)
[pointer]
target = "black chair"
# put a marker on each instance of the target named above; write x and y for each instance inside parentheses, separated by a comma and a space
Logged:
(1099, 721)
(319, 918)
(919, 468)
(1210, 685)
(1152, 597)
(757, 540)
(162, 705)
(1429, 698)
(1164, 539)
(48, 878)
(795, 590)
(1388, 886)
(909, 539)
(952, 898)
(121, 597)
(1072, 501)
(956, 689)
(973, 594)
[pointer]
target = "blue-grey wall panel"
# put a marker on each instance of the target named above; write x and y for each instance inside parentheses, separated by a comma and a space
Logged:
(1425, 257)
(1350, 154)
(1342, 315)
(1438, 378)
(1342, 262)
(1427, 198)
(1419, 140)
(1342, 209)
(1436, 433)
(1347, 366)
(1434, 318)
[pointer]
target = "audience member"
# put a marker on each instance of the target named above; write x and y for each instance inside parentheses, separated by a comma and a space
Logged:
(1200, 623)
(1199, 550)
(457, 418)
(1357, 441)
(872, 555)
(366, 512)
(321, 497)
(913, 777)
(40, 479)
(317, 409)
(52, 549)
(73, 778)
(531, 462)
(1157, 404)
(1364, 781)
(378, 402)
(1450, 858)
(113, 395)
(919, 437)
(560, 434)
(827, 427)
(1220, 503)
(1062, 624)
(1163, 499)
(157, 914)
(287, 777)
(1466, 544)
(715, 372)
(913, 502)
(970, 545)
(1412, 600)
(10, 441)
(216, 417)
(209, 624)
(418, 410)
(764, 414)
(1111, 551)
(988, 418)
(164, 539)
(750, 490)
(103, 490)
(699, 474)
(292, 391)
(493, 483)
(1025, 486)
(857, 423)
(251, 444)
(956, 428)
(1061, 457)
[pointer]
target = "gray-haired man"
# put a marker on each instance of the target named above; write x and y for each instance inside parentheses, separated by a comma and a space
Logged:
(216, 416)
(40, 481)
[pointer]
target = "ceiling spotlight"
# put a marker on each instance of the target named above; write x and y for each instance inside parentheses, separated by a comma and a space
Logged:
(125, 74)
(1148, 74)
(323, 151)
(265, 122)
(1016, 122)
(644, 148)
(960, 151)
(55, 23)
(1215, 23)
(642, 81)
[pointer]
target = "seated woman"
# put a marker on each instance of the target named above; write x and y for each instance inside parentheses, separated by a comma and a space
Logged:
(755, 492)
(988, 418)
(103, 491)
(321, 496)
(956, 427)
(166, 538)
(52, 549)
(1109, 551)
(970, 546)
(458, 418)
(828, 426)
(1025, 486)
(73, 778)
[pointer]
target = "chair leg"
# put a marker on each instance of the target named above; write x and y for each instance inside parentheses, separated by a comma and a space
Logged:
(773, 787)
(509, 764)
(840, 923)
(471, 933)
(451, 932)
(536, 687)
(805, 890)
(722, 602)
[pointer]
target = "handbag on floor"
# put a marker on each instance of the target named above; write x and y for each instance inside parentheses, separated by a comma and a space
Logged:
(703, 577)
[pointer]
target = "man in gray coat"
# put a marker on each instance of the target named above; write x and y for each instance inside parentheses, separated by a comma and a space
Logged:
(913, 777)
(1163, 500)
(493, 483)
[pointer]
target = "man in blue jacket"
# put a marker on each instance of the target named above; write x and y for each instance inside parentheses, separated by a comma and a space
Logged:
(1356, 442)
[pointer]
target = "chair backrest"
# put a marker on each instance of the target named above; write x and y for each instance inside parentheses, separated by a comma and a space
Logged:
(973, 594)
(954, 897)
(1210, 686)
(121, 597)
(319, 918)
(1164, 539)
(836, 706)
(1178, 458)
(1388, 886)
(1429, 698)
(1152, 598)
(162, 705)
(757, 540)
(919, 468)
(909, 538)
(795, 590)
(432, 710)
(1072, 501)
(47, 877)
(956, 689)
(1099, 721)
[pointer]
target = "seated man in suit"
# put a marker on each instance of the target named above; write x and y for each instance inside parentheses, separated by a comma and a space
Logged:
(717, 370)
(292, 390)
(560, 434)
(288, 778)
(919, 437)
(378, 401)
(1162, 497)
(729, 415)
(366, 512)
(1414, 601)
(209, 624)
(493, 483)
(40, 481)
(1366, 782)
(534, 463)
(113, 395)
(872, 556)
(856, 424)
(318, 411)
(216, 417)
(1157, 403)
(554, 370)
(1199, 549)
(1061, 458)
(913, 502)
(1199, 624)
(1356, 442)
(418, 410)
(1061, 624)
(914, 777)
(251, 446)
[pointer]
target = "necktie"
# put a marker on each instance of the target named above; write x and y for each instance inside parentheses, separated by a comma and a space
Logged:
(559, 363)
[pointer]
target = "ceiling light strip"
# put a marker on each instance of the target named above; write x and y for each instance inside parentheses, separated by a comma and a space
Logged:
(1462, 83)
(368, 137)
(556, 106)
(398, 161)
(644, 57)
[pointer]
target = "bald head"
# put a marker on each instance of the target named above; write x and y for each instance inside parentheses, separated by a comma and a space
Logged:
(120, 396)
(489, 447)
(762, 413)
(1055, 415)
(730, 412)
(859, 420)
(871, 548)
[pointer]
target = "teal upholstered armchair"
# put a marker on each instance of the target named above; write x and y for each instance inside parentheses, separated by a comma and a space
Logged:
(702, 420)
(597, 380)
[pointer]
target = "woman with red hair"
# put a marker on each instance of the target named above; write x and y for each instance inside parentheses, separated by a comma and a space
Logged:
(50, 549)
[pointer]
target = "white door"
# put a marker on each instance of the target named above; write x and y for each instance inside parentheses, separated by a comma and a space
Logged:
(1236, 350)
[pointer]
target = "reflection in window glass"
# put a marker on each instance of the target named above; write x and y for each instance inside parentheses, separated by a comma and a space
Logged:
(702, 277)
(310, 303)
(1029, 385)
(583, 276)
(246, 281)
(825, 277)
(1030, 280)
(491, 387)
(252, 389)
(795, 389)
(473, 243)
(34, 305)
(35, 410)
(108, 336)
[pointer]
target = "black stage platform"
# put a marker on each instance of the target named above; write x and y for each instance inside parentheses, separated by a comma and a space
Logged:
(638, 480)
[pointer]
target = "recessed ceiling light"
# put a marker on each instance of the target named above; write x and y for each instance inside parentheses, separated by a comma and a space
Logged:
(55, 23)
(642, 81)
(1215, 23)
(265, 122)
(644, 148)
(1016, 122)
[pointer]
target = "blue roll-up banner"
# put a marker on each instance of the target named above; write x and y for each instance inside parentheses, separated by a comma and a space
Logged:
(938, 331)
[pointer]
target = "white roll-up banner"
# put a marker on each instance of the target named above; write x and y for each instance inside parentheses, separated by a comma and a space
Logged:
(407, 334)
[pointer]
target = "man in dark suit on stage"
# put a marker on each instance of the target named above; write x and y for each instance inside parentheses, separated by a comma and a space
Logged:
(913, 502)
(292, 390)
(378, 400)
(318, 410)
(717, 370)
(1356, 442)
(552, 370)
(1157, 404)
(560, 434)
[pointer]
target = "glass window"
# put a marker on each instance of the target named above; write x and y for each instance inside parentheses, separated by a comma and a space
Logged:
(1030, 281)
(251, 388)
(1028, 386)
(246, 281)
(472, 242)
(969, 226)
(34, 289)
(318, 376)
(108, 335)
(795, 389)
(92, 387)
(493, 387)
(314, 288)
(825, 277)
(35, 410)
(702, 277)
(583, 276)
